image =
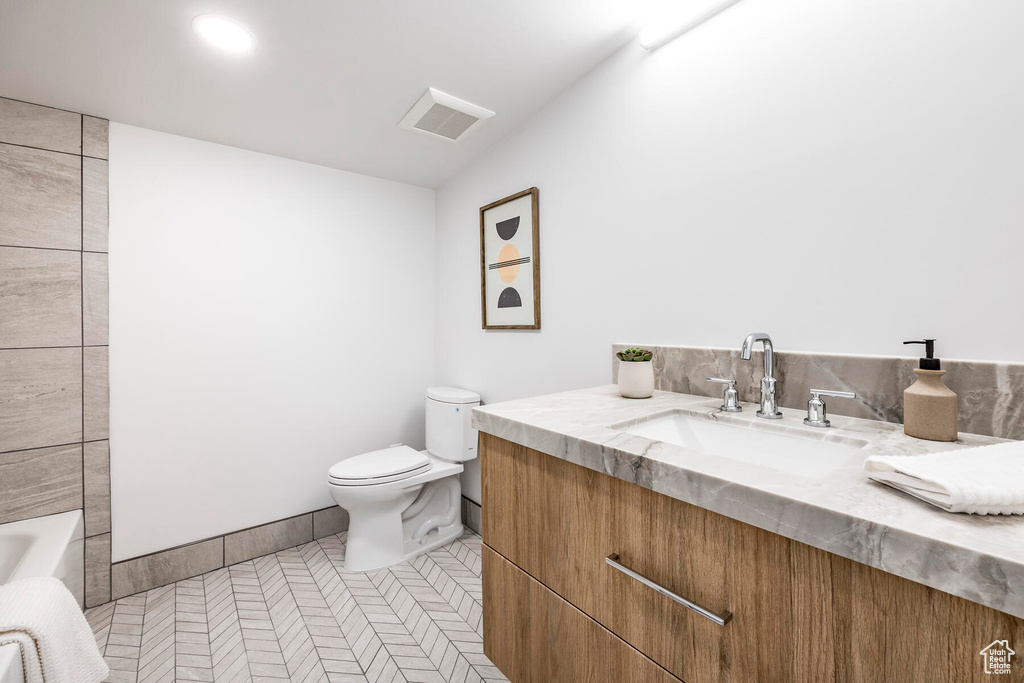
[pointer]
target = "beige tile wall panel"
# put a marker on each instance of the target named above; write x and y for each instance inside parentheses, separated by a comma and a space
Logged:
(96, 462)
(97, 393)
(97, 570)
(22, 123)
(42, 481)
(95, 210)
(94, 137)
(40, 198)
(40, 298)
(40, 398)
(95, 299)
(54, 299)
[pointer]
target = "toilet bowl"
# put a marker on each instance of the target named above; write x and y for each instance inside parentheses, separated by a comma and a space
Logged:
(403, 502)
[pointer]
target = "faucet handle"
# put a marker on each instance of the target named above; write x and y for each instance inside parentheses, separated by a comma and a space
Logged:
(731, 398)
(816, 416)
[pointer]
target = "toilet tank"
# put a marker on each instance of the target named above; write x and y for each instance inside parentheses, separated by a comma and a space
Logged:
(450, 434)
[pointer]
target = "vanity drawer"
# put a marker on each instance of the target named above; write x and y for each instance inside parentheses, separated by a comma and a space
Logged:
(798, 613)
(559, 522)
(534, 636)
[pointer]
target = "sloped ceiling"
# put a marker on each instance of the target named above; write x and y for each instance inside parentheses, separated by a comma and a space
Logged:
(330, 80)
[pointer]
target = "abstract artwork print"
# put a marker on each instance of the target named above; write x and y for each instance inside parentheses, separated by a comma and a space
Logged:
(509, 262)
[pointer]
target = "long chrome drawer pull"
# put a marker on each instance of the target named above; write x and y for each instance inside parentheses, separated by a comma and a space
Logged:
(720, 619)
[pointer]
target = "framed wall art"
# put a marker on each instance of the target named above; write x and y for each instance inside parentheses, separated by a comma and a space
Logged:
(510, 263)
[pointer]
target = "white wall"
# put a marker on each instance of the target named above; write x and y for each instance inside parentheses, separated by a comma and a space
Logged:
(844, 175)
(267, 319)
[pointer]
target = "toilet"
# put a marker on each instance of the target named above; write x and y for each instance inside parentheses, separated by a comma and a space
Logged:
(402, 502)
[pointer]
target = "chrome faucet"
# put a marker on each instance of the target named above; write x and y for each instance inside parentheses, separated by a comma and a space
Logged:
(769, 401)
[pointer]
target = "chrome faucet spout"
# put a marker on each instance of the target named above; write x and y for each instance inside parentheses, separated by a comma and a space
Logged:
(769, 400)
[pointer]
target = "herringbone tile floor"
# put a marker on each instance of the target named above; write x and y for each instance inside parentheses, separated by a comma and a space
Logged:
(297, 615)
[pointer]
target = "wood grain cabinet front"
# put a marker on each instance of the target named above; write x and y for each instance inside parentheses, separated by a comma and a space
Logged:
(537, 637)
(797, 613)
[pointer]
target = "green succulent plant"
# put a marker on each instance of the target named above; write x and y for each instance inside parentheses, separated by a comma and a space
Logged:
(635, 355)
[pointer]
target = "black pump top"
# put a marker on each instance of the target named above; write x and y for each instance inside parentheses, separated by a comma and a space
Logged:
(929, 362)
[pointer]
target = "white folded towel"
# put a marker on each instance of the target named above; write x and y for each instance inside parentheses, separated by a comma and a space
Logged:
(57, 646)
(986, 480)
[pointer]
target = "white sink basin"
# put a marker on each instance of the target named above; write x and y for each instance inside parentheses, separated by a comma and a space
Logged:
(808, 456)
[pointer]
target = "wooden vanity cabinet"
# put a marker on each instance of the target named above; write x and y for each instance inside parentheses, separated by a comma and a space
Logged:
(798, 613)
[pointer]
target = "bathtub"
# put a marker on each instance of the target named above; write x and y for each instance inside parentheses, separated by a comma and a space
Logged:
(44, 546)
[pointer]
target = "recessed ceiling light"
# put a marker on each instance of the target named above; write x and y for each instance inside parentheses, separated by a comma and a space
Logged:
(223, 33)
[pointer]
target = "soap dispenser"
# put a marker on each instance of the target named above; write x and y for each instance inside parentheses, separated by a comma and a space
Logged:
(929, 406)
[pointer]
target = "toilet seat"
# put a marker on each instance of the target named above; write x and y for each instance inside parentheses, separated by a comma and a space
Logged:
(379, 467)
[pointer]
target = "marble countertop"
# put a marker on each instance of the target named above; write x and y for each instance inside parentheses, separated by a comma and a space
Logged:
(980, 558)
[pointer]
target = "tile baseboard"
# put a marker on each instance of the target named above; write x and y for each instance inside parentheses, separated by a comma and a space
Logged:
(329, 521)
(471, 515)
(165, 567)
(268, 538)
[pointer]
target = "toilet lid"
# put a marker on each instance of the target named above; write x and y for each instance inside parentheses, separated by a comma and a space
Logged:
(388, 463)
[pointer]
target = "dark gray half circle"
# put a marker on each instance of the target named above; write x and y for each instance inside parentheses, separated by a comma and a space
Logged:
(507, 228)
(509, 298)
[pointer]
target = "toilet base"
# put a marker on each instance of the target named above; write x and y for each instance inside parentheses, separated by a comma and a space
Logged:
(433, 540)
(371, 559)
(392, 525)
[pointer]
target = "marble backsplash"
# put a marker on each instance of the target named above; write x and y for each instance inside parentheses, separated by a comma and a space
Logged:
(991, 395)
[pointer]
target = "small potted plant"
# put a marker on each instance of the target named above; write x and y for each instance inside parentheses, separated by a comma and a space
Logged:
(636, 373)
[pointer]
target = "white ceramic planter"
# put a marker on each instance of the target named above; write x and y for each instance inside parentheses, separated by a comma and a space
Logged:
(636, 380)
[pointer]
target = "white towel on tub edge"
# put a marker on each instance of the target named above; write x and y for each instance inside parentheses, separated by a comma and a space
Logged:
(57, 645)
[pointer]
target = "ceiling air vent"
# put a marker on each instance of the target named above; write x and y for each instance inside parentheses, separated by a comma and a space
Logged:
(443, 116)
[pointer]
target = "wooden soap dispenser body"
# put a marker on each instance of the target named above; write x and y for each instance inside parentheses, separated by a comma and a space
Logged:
(929, 406)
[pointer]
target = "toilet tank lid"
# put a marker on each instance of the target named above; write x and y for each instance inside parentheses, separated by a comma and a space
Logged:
(452, 395)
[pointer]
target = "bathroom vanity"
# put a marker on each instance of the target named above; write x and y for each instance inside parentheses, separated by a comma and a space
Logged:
(652, 541)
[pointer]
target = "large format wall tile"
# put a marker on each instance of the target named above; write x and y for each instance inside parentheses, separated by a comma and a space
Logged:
(40, 198)
(22, 123)
(95, 210)
(94, 137)
(160, 569)
(97, 393)
(95, 299)
(39, 482)
(97, 570)
(40, 298)
(96, 460)
(40, 398)
(53, 300)
(269, 538)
